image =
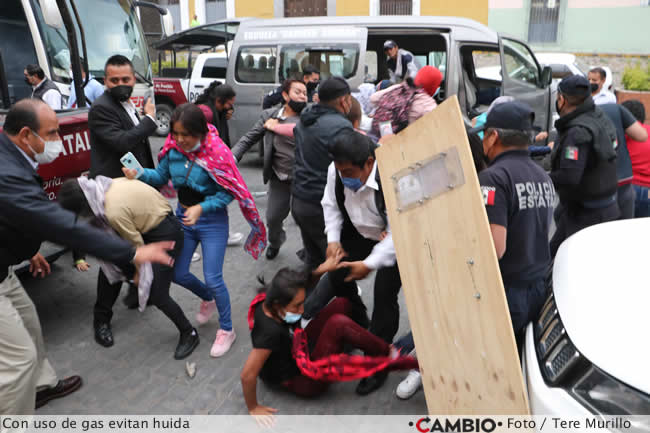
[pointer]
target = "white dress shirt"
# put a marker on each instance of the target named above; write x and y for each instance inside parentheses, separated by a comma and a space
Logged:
(132, 112)
(33, 163)
(604, 97)
(362, 210)
(51, 97)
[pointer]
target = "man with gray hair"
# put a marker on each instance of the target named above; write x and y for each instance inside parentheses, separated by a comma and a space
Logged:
(28, 217)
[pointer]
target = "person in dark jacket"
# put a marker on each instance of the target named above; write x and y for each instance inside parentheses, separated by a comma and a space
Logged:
(319, 125)
(311, 78)
(42, 87)
(279, 155)
(115, 129)
(220, 98)
(583, 162)
(115, 125)
(28, 217)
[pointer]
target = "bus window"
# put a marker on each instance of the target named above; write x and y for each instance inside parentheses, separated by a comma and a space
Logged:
(255, 65)
(17, 48)
(340, 61)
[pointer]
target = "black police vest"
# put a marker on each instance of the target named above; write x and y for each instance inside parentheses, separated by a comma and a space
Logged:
(599, 180)
(46, 86)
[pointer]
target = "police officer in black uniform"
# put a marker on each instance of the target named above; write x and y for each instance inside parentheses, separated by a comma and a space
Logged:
(583, 162)
(519, 198)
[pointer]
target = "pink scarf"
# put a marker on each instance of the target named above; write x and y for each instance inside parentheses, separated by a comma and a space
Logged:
(215, 158)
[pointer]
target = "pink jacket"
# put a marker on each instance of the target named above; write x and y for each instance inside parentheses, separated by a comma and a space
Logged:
(422, 103)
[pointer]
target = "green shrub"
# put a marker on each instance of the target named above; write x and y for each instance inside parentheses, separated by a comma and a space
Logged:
(636, 78)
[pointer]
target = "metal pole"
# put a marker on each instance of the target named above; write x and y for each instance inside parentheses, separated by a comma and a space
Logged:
(74, 52)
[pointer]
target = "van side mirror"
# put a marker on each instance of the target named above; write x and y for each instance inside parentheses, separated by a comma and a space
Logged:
(51, 14)
(167, 24)
(547, 77)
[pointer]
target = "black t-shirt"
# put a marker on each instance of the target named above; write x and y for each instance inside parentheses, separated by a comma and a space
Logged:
(622, 119)
(519, 196)
(278, 337)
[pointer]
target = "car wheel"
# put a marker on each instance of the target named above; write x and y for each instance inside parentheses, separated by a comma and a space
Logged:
(163, 116)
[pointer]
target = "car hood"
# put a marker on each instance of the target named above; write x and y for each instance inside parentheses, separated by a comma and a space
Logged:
(601, 282)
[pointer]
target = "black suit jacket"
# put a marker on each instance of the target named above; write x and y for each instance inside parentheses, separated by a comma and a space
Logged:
(28, 217)
(112, 134)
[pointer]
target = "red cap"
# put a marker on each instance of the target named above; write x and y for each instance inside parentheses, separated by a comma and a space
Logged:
(429, 78)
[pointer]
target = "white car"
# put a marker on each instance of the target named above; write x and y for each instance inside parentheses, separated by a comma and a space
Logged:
(589, 353)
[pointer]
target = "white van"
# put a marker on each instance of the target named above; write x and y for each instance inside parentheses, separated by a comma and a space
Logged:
(266, 52)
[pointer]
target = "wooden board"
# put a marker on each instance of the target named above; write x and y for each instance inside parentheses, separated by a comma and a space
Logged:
(451, 280)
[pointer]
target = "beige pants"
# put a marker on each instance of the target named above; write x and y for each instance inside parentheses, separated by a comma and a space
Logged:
(23, 365)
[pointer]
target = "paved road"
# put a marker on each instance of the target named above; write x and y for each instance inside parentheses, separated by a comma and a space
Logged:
(139, 375)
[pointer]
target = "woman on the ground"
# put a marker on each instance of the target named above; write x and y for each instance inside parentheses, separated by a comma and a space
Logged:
(275, 321)
(203, 172)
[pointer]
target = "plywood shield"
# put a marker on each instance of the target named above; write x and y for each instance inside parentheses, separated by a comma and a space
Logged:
(450, 273)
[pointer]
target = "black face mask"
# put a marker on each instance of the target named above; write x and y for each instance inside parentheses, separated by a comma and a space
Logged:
(594, 87)
(311, 86)
(297, 106)
(121, 93)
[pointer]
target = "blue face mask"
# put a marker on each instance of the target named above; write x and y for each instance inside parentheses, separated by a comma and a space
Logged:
(291, 318)
(352, 183)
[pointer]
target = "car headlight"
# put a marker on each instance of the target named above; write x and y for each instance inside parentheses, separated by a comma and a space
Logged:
(603, 394)
(562, 365)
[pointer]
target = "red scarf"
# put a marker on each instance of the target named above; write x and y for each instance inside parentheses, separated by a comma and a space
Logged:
(216, 159)
(339, 367)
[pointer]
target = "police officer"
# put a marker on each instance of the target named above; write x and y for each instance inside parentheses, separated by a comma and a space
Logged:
(519, 198)
(583, 162)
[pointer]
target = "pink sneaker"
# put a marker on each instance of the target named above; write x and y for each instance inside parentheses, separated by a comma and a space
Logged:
(206, 311)
(222, 343)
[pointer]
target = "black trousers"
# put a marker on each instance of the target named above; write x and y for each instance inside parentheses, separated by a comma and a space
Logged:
(311, 222)
(168, 230)
(385, 315)
(570, 220)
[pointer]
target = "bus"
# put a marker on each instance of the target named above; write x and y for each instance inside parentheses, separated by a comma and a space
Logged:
(62, 37)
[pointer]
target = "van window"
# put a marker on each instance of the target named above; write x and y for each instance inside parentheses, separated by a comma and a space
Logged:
(214, 68)
(256, 65)
(340, 60)
(487, 65)
(520, 64)
(434, 58)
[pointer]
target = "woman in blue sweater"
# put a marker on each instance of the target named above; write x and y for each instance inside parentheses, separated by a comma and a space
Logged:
(206, 178)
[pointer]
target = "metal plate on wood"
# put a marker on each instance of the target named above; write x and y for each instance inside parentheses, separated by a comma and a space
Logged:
(427, 179)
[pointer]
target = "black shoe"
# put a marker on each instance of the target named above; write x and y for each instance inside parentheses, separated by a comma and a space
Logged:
(186, 344)
(131, 298)
(103, 334)
(272, 253)
(369, 384)
(61, 389)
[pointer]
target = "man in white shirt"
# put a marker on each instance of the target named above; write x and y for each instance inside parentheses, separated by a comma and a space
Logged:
(42, 87)
(356, 222)
(599, 93)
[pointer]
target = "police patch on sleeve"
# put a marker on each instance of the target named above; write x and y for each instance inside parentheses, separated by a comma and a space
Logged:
(488, 195)
(571, 152)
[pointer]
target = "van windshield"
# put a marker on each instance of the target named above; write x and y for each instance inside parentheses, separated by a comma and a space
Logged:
(336, 60)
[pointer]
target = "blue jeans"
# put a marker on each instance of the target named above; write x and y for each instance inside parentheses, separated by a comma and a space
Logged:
(211, 231)
(642, 203)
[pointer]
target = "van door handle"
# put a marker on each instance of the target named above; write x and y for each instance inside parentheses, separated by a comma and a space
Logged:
(199, 86)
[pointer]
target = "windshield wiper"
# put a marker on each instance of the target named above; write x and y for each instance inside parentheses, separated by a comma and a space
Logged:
(142, 77)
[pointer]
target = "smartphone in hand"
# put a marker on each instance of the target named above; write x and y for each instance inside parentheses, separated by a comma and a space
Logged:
(129, 161)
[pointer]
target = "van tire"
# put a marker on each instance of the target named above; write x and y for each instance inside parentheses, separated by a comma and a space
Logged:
(163, 116)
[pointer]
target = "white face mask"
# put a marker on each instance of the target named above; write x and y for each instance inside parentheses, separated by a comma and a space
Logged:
(50, 152)
(196, 147)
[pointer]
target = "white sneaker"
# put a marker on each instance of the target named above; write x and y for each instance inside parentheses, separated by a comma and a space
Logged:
(410, 385)
(222, 343)
(196, 257)
(235, 239)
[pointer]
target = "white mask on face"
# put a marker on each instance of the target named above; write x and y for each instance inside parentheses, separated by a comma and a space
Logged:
(50, 152)
(197, 147)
